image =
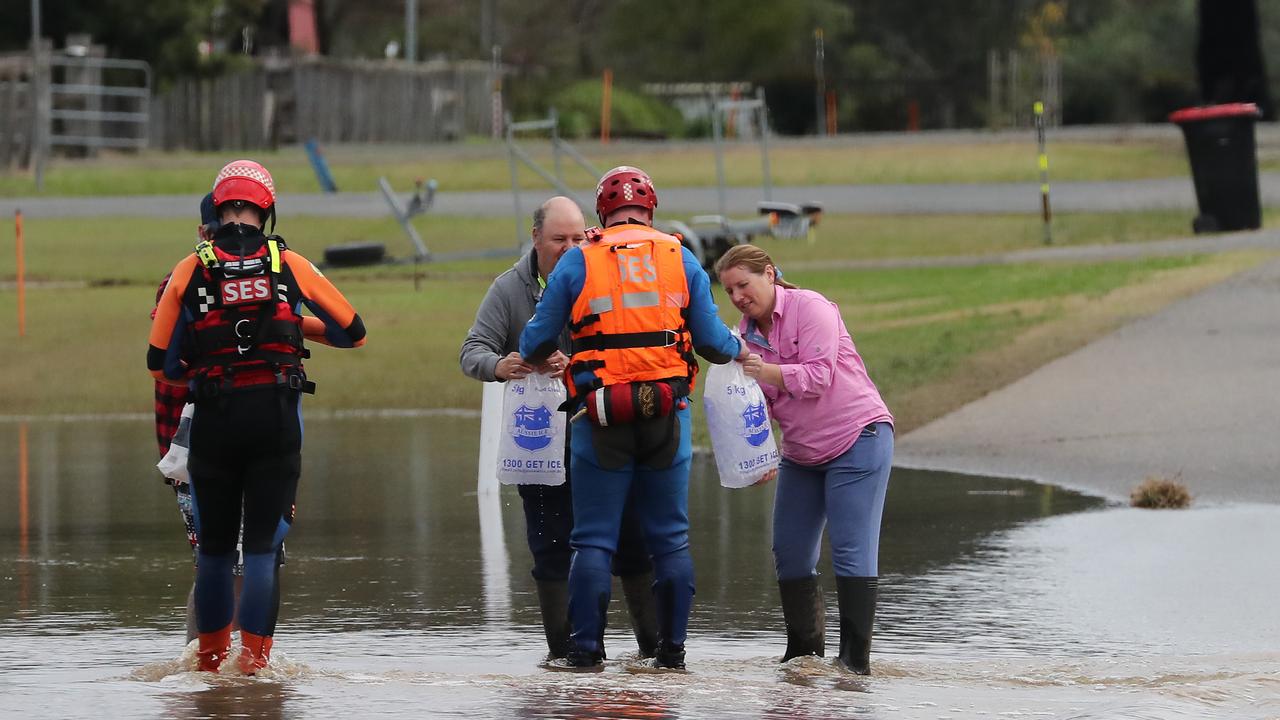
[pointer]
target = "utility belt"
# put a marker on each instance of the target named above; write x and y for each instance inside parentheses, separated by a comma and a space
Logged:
(288, 379)
(635, 401)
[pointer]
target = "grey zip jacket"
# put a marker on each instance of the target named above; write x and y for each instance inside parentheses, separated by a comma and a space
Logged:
(502, 316)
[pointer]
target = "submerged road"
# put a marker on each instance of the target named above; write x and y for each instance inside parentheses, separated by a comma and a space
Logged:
(680, 202)
(1192, 392)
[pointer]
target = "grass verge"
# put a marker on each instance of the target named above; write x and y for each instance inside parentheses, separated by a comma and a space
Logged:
(141, 251)
(794, 162)
(933, 338)
(915, 328)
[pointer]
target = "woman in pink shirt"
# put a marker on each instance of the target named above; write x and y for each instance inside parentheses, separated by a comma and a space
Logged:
(837, 448)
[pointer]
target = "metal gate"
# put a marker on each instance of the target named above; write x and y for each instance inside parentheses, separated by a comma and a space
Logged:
(99, 103)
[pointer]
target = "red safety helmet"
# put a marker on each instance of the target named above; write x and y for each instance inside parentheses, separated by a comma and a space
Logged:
(244, 180)
(624, 186)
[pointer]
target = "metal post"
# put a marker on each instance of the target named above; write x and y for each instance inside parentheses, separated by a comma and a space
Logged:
(403, 216)
(1045, 214)
(488, 34)
(820, 84)
(515, 178)
(717, 141)
(38, 115)
(411, 30)
(495, 83)
(555, 144)
(764, 144)
(994, 110)
(1013, 95)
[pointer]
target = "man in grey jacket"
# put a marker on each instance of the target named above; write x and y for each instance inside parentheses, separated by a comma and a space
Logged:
(491, 353)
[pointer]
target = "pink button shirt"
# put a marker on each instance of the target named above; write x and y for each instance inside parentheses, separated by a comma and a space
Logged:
(828, 397)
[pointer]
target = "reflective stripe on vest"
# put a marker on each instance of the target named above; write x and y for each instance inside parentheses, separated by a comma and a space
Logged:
(628, 322)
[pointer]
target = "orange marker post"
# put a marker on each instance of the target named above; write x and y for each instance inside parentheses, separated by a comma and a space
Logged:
(606, 105)
(22, 284)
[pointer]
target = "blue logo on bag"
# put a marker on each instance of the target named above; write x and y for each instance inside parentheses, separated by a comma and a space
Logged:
(532, 427)
(755, 424)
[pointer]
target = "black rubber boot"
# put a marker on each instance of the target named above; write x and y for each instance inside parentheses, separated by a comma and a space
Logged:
(553, 601)
(669, 656)
(638, 589)
(805, 611)
(857, 616)
(580, 660)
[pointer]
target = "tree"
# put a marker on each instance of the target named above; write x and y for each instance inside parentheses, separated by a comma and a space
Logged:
(165, 33)
(1229, 55)
(1131, 62)
(932, 53)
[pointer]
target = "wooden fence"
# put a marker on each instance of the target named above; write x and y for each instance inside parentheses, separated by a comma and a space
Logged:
(15, 112)
(333, 102)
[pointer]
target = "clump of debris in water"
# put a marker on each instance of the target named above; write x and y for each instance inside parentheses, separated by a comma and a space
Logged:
(1158, 493)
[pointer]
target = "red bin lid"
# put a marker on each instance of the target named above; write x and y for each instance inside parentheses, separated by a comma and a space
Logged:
(1214, 112)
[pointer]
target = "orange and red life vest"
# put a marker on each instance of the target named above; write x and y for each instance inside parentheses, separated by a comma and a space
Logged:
(244, 330)
(629, 323)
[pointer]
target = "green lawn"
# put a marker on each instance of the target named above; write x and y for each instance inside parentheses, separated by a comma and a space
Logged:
(485, 166)
(143, 250)
(920, 330)
(85, 346)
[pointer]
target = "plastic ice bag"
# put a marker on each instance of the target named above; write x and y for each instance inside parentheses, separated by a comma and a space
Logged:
(174, 463)
(738, 418)
(531, 448)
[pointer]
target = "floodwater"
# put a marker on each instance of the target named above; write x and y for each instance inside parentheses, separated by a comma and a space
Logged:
(407, 594)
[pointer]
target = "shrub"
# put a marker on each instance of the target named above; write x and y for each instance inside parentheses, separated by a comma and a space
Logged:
(633, 114)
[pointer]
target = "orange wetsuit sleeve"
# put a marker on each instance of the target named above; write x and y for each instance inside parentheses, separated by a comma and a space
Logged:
(342, 326)
(164, 349)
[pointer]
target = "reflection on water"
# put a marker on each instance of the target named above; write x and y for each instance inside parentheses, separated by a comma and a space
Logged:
(406, 593)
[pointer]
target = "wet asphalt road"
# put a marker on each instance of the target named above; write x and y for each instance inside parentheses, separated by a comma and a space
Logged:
(1192, 392)
(678, 203)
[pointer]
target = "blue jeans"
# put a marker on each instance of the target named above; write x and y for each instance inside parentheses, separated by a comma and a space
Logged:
(846, 493)
(649, 459)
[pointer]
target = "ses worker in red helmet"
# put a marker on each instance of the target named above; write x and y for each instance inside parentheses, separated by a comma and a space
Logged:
(637, 305)
(228, 326)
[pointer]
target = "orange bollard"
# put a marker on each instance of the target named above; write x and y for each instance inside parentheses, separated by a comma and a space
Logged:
(606, 103)
(22, 284)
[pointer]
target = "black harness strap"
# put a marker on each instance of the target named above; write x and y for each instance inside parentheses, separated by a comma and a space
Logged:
(222, 337)
(585, 321)
(623, 341)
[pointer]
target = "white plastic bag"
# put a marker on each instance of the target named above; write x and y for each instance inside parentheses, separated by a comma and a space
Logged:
(174, 463)
(531, 449)
(738, 419)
